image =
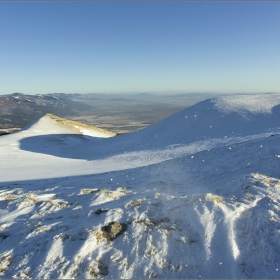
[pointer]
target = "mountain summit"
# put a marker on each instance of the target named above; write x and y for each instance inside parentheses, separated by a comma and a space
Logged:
(50, 124)
(195, 195)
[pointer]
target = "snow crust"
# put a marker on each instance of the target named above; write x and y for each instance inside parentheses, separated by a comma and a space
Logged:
(196, 195)
(256, 104)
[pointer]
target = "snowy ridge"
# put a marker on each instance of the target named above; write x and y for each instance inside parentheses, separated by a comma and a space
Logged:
(51, 124)
(194, 196)
(256, 104)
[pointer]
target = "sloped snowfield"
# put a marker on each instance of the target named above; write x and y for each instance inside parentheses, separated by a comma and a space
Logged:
(194, 196)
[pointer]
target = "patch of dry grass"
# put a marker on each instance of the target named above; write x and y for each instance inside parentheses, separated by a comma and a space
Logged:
(266, 180)
(119, 192)
(10, 197)
(151, 222)
(98, 268)
(33, 199)
(43, 229)
(88, 191)
(213, 197)
(59, 203)
(133, 203)
(5, 261)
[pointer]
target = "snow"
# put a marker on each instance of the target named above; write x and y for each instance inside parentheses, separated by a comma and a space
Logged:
(57, 125)
(255, 104)
(199, 200)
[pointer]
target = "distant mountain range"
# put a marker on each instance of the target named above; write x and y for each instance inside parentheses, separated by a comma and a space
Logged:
(17, 109)
(120, 113)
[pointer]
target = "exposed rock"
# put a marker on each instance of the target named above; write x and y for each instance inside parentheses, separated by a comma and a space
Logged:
(100, 211)
(113, 230)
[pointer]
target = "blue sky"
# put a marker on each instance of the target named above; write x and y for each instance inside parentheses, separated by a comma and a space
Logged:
(129, 47)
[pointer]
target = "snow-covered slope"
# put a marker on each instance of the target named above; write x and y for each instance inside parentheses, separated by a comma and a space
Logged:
(56, 125)
(194, 196)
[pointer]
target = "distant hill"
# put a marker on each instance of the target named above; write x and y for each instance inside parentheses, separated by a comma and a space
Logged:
(120, 113)
(17, 109)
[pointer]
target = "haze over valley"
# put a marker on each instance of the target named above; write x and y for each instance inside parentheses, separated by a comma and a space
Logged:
(120, 113)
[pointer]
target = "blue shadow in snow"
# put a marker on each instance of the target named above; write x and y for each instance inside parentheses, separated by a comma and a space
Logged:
(73, 146)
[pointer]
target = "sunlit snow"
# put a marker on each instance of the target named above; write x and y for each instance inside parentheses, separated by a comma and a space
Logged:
(194, 196)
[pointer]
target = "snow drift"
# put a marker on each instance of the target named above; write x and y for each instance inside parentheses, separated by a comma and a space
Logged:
(193, 196)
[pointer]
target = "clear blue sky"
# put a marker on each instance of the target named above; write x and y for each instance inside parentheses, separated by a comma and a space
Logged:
(139, 47)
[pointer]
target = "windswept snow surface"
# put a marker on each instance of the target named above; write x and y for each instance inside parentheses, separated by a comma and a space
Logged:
(194, 196)
(251, 103)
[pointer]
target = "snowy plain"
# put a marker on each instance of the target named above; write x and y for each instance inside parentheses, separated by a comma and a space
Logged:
(194, 196)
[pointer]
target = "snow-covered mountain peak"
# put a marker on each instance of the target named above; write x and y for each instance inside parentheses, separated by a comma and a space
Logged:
(221, 118)
(51, 124)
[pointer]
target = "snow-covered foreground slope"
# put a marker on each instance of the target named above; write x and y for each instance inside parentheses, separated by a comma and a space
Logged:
(194, 196)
